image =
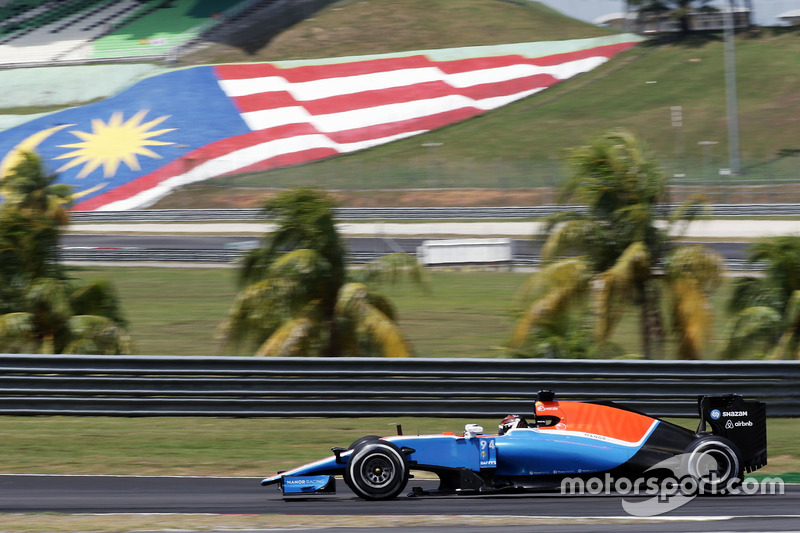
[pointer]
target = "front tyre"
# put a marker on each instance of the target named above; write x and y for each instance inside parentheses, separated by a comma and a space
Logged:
(714, 463)
(369, 438)
(377, 470)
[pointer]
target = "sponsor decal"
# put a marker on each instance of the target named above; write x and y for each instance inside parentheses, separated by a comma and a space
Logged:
(300, 481)
(730, 424)
(715, 414)
(488, 454)
(734, 414)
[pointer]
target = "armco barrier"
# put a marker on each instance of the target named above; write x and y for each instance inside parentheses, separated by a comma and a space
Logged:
(399, 213)
(261, 387)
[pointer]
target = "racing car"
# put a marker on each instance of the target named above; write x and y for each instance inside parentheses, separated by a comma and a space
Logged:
(565, 439)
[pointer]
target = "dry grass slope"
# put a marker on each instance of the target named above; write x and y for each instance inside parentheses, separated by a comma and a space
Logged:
(359, 27)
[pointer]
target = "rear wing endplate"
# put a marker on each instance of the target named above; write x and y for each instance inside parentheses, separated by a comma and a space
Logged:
(742, 422)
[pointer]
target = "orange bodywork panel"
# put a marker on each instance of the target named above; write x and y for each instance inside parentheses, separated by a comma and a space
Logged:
(596, 420)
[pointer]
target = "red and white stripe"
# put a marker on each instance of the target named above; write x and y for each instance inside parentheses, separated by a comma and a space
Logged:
(305, 113)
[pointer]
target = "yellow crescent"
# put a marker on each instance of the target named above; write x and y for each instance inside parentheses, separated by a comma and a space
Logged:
(87, 191)
(13, 157)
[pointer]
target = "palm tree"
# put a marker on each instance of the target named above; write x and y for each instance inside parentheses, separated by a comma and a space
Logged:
(766, 311)
(28, 187)
(54, 318)
(622, 189)
(40, 310)
(296, 298)
(28, 246)
(623, 192)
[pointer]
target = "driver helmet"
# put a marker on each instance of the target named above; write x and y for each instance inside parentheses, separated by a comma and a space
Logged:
(511, 422)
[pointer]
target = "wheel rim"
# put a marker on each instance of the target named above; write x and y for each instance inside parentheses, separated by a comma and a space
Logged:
(377, 472)
(719, 469)
(713, 466)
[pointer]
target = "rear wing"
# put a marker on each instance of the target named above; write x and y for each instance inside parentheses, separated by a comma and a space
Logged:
(742, 422)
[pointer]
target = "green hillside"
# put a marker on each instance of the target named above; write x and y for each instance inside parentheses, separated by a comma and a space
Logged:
(358, 27)
(522, 145)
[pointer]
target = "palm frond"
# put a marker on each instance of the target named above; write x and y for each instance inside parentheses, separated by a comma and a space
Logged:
(789, 343)
(692, 272)
(382, 330)
(618, 285)
(97, 335)
(754, 325)
(383, 304)
(17, 332)
(254, 265)
(302, 264)
(256, 313)
(569, 235)
(696, 262)
(552, 290)
(292, 338)
(355, 306)
(749, 291)
(97, 298)
(47, 300)
(395, 268)
(782, 257)
(691, 317)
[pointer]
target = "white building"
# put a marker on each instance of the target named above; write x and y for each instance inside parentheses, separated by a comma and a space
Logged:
(791, 18)
(656, 23)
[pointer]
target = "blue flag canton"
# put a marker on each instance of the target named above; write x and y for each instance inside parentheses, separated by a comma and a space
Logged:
(109, 143)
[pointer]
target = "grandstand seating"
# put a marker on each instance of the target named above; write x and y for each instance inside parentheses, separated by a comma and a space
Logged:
(42, 31)
(57, 32)
(160, 28)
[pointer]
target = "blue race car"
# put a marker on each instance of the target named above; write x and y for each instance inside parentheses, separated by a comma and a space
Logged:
(574, 440)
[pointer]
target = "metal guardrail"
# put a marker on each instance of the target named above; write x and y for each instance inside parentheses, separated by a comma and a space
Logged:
(396, 213)
(183, 256)
(230, 256)
(334, 387)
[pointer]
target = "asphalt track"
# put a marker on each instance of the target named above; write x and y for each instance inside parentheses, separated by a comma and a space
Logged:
(245, 496)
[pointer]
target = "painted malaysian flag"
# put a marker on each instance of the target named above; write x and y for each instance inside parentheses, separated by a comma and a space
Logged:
(194, 124)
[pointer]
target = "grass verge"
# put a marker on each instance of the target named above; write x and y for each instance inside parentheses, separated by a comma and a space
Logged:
(469, 313)
(238, 447)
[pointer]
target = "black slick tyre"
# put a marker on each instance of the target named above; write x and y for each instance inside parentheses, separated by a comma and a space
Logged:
(357, 442)
(377, 470)
(715, 465)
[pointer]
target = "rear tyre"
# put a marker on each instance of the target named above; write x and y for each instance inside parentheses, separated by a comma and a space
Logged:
(377, 470)
(715, 464)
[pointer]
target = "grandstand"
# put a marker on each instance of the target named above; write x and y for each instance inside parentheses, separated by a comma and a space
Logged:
(80, 31)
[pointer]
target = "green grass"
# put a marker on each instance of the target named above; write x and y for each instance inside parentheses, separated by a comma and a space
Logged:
(172, 311)
(175, 311)
(186, 446)
(237, 447)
